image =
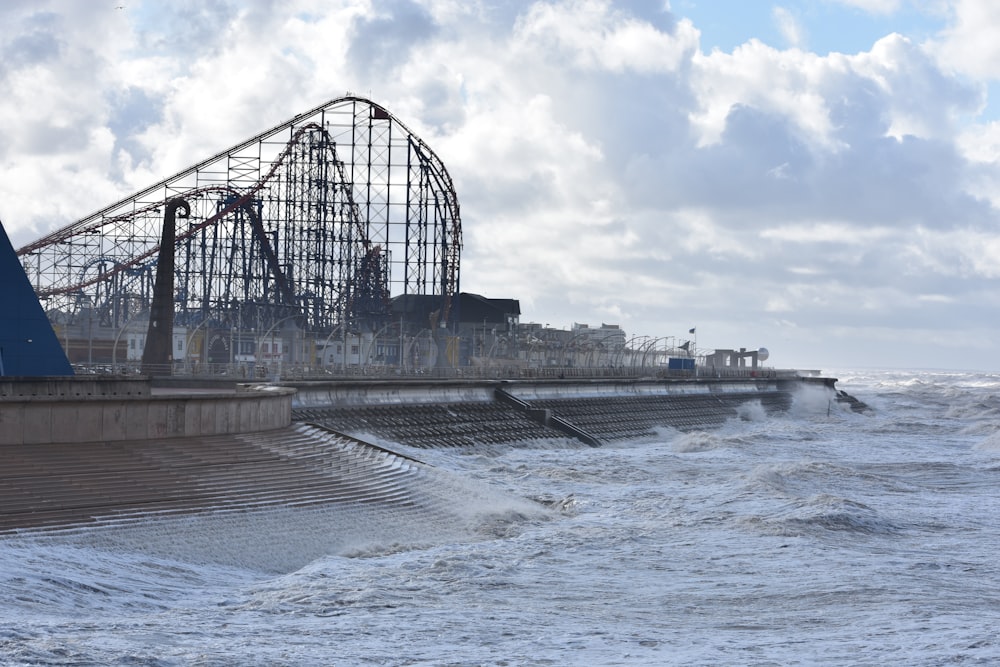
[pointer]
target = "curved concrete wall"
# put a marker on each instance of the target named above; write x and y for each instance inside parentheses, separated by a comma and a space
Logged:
(326, 394)
(539, 391)
(75, 387)
(69, 418)
(329, 394)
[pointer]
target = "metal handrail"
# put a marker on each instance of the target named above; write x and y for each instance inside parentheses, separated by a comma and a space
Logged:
(249, 372)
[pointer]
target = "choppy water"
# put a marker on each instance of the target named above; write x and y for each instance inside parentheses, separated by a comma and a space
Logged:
(819, 537)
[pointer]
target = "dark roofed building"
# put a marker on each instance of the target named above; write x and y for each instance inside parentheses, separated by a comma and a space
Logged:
(468, 311)
(483, 326)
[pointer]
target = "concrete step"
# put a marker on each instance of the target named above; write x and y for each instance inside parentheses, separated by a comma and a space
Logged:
(45, 486)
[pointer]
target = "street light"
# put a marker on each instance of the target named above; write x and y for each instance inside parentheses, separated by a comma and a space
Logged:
(190, 336)
(431, 349)
(114, 346)
(367, 355)
(651, 346)
(620, 356)
(90, 333)
(327, 341)
(273, 327)
(566, 346)
(626, 349)
(598, 344)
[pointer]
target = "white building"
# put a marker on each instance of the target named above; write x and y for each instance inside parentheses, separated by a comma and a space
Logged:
(135, 342)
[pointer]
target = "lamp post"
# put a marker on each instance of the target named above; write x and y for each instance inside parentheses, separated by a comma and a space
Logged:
(597, 346)
(367, 355)
(651, 346)
(190, 336)
(628, 350)
(567, 344)
(271, 330)
(90, 333)
(431, 350)
(327, 341)
(114, 346)
(620, 357)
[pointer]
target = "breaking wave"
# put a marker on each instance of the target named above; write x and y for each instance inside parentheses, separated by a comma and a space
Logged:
(822, 513)
(696, 441)
(989, 444)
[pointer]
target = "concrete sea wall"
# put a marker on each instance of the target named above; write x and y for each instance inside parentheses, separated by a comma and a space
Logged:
(460, 413)
(102, 451)
(43, 411)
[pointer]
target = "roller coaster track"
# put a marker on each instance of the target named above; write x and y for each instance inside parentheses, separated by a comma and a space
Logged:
(351, 209)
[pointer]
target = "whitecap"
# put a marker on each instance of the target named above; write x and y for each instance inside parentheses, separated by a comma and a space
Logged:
(751, 411)
(989, 444)
(696, 441)
(822, 513)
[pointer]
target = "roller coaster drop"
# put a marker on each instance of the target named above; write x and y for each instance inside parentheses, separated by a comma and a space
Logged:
(318, 220)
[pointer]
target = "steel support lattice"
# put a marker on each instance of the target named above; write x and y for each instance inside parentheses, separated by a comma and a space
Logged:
(320, 219)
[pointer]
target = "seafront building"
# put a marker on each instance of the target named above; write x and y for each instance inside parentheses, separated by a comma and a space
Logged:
(488, 335)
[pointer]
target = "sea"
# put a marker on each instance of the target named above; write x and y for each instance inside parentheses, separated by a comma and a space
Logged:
(818, 537)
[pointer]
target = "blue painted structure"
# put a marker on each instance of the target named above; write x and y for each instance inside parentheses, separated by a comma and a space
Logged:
(28, 345)
(680, 364)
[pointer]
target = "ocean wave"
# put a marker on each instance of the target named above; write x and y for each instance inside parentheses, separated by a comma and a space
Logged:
(989, 444)
(696, 441)
(811, 477)
(823, 513)
(975, 408)
(986, 427)
(751, 411)
(809, 401)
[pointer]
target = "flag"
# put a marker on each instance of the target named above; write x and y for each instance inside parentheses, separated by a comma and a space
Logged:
(686, 346)
(691, 331)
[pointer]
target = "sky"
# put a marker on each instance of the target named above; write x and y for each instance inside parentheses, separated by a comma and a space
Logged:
(820, 178)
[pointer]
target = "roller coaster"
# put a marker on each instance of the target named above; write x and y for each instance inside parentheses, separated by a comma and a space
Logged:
(321, 220)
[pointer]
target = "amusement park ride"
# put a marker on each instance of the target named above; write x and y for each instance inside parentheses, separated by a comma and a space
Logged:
(312, 225)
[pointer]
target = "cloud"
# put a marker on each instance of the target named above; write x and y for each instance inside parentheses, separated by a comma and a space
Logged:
(789, 27)
(969, 44)
(874, 6)
(382, 42)
(592, 35)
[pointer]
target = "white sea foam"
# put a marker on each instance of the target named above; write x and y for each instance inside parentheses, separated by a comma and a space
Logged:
(696, 441)
(991, 443)
(751, 411)
(813, 400)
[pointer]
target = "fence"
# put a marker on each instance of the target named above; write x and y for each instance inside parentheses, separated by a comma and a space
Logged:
(249, 372)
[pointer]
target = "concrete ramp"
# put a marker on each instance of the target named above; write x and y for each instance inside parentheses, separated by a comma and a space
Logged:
(72, 485)
(468, 425)
(273, 501)
(527, 414)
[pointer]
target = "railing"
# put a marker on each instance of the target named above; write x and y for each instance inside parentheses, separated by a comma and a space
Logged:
(247, 372)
